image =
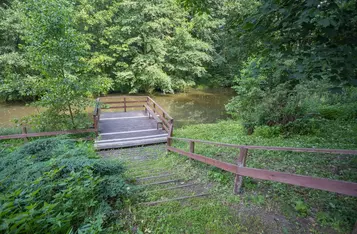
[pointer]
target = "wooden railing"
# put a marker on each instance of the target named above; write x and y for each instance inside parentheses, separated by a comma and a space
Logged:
(26, 135)
(126, 102)
(240, 170)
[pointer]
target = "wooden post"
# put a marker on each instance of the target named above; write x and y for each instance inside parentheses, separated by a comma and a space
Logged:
(154, 107)
(24, 131)
(192, 146)
(124, 104)
(238, 180)
(95, 124)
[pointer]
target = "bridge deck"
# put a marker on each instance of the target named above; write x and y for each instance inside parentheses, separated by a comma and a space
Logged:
(126, 129)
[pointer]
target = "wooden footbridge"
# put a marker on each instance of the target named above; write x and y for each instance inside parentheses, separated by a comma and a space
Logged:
(139, 121)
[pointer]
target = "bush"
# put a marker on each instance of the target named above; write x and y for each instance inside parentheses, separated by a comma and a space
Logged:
(297, 105)
(57, 185)
(267, 132)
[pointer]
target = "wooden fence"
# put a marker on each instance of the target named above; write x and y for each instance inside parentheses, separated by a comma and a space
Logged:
(126, 102)
(26, 135)
(240, 170)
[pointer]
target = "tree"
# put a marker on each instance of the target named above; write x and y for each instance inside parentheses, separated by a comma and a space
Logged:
(298, 51)
(16, 78)
(58, 51)
(145, 45)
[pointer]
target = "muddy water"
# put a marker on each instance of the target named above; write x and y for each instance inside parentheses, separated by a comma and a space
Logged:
(193, 106)
(196, 106)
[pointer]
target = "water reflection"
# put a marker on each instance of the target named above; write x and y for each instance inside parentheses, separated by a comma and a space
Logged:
(196, 106)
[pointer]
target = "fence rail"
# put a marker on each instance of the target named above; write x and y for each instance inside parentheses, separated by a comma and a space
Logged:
(337, 186)
(40, 134)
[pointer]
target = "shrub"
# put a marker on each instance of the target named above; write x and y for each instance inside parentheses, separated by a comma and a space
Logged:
(57, 185)
(267, 132)
(294, 104)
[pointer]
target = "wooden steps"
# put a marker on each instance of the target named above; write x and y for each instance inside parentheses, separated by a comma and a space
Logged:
(128, 129)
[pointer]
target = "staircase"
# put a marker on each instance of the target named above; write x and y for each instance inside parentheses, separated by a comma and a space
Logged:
(128, 129)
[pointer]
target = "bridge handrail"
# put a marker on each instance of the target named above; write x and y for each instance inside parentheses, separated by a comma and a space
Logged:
(162, 109)
(240, 170)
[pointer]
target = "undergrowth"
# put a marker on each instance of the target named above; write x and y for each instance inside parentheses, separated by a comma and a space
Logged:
(56, 185)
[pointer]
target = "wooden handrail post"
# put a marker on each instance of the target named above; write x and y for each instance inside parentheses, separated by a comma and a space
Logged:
(238, 180)
(171, 133)
(192, 146)
(124, 104)
(24, 131)
(154, 107)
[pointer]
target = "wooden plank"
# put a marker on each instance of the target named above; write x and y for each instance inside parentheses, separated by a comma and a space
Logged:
(132, 117)
(174, 199)
(125, 132)
(172, 188)
(122, 144)
(39, 134)
(336, 186)
(214, 162)
(308, 150)
(127, 96)
(131, 138)
(121, 107)
(119, 102)
(164, 127)
(163, 182)
(152, 177)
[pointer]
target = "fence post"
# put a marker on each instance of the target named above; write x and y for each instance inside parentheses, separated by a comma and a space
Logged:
(192, 146)
(124, 104)
(238, 180)
(154, 107)
(24, 131)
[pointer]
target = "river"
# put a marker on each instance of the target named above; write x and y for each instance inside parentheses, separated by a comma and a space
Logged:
(193, 106)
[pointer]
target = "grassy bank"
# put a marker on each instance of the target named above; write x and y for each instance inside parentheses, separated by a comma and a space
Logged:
(317, 208)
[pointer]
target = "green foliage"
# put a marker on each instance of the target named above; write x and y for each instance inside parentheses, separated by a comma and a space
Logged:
(58, 51)
(149, 47)
(267, 132)
(296, 106)
(57, 185)
(301, 208)
(16, 77)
